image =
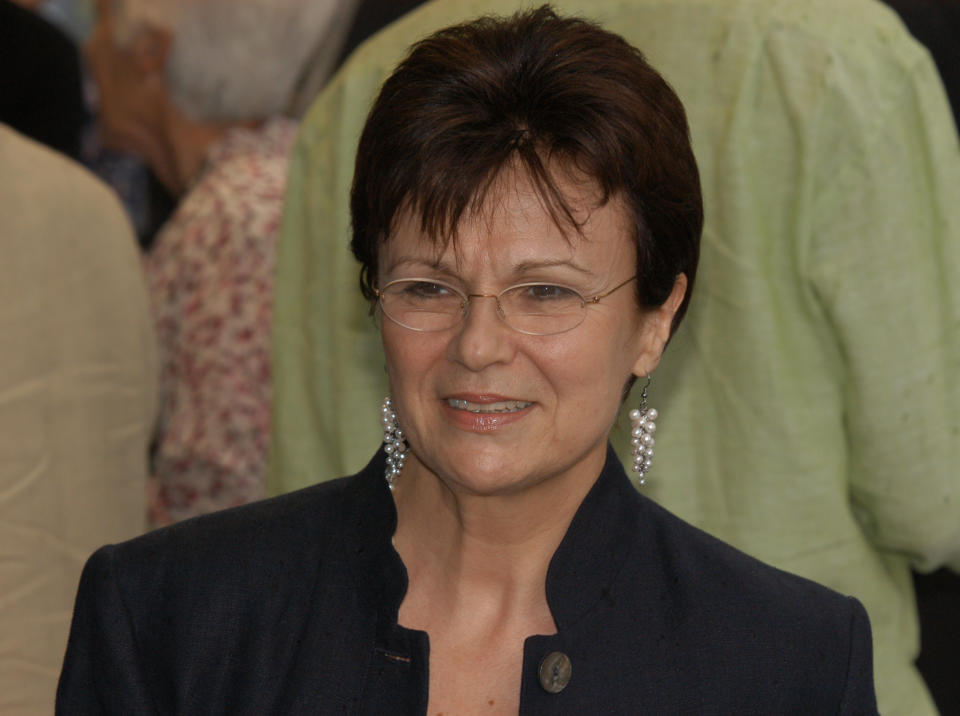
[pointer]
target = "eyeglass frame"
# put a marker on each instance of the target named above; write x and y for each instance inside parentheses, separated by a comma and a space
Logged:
(465, 302)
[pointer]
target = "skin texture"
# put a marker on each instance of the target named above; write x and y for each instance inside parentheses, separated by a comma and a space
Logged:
(482, 504)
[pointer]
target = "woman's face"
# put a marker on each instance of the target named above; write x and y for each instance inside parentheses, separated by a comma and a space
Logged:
(490, 410)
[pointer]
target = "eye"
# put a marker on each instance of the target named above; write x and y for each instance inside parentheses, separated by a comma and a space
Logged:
(549, 292)
(425, 289)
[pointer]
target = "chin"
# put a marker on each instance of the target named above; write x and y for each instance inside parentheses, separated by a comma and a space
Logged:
(487, 485)
(494, 472)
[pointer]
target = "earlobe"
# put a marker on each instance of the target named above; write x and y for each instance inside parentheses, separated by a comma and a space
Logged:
(655, 331)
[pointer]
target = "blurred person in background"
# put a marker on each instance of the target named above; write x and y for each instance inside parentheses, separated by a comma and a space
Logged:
(326, 55)
(74, 17)
(41, 92)
(77, 401)
(196, 88)
(936, 23)
(46, 93)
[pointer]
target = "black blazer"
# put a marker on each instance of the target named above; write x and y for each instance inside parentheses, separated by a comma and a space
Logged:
(290, 606)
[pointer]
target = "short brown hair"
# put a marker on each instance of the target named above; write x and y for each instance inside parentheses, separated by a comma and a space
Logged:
(537, 90)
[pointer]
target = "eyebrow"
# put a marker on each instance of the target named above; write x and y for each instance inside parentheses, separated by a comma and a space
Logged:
(436, 264)
(523, 267)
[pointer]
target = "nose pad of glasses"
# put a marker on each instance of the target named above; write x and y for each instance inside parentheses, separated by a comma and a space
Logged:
(503, 316)
(468, 304)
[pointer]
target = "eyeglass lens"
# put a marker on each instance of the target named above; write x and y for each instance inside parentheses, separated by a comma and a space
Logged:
(538, 309)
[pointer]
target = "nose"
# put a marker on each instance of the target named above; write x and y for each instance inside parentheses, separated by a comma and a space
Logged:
(483, 338)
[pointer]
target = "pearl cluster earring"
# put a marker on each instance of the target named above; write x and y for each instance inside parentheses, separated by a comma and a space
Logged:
(394, 443)
(641, 437)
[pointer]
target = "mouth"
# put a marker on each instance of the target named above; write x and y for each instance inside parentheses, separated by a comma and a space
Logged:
(503, 406)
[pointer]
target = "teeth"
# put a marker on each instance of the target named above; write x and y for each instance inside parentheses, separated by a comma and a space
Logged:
(506, 406)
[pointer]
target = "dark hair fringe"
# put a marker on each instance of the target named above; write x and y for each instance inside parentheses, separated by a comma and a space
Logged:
(547, 94)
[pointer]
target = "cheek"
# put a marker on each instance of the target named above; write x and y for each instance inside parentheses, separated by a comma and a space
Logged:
(590, 370)
(409, 356)
(411, 360)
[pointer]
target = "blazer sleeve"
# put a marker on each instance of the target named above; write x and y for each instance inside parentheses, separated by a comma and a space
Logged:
(102, 671)
(859, 697)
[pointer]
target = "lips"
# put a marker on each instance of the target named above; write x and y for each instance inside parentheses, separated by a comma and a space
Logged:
(486, 413)
(488, 407)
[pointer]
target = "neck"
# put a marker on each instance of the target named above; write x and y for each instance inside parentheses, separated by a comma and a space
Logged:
(471, 554)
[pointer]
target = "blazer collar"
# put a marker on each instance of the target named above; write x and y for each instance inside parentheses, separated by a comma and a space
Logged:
(581, 572)
(596, 545)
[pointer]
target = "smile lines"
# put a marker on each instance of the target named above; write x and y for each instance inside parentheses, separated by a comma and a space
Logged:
(505, 406)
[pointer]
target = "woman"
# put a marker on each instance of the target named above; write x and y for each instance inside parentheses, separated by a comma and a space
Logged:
(197, 88)
(527, 213)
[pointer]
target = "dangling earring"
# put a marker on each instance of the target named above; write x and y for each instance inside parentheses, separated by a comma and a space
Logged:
(394, 443)
(641, 439)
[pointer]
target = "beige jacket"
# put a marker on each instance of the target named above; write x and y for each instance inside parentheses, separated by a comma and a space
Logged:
(77, 401)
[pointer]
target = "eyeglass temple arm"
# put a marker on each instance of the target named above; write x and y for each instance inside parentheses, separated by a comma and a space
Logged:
(596, 299)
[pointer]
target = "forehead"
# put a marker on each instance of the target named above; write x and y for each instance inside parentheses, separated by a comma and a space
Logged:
(517, 224)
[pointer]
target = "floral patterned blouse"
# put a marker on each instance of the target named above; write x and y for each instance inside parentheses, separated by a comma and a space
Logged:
(211, 283)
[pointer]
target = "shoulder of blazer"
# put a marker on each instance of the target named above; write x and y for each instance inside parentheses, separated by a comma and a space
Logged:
(255, 544)
(716, 591)
(689, 559)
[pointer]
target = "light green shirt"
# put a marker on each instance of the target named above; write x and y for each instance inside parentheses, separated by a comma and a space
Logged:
(810, 401)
